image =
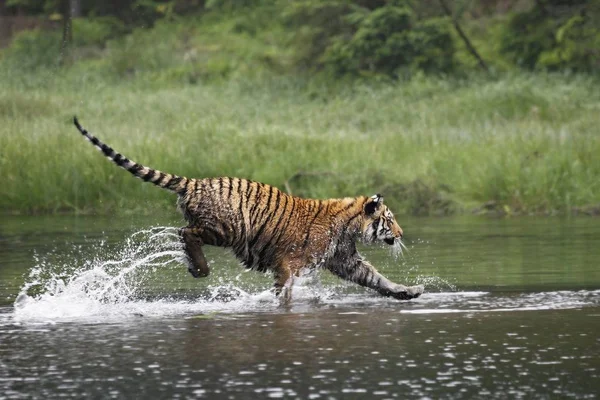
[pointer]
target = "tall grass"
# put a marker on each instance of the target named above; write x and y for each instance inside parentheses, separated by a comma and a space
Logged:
(521, 143)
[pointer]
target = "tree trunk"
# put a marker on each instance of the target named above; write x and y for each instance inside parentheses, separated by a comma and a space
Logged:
(75, 8)
(463, 36)
(67, 36)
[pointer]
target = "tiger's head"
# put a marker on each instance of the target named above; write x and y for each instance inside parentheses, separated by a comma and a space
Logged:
(379, 223)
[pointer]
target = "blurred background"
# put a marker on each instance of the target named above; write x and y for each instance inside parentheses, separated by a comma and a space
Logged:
(445, 106)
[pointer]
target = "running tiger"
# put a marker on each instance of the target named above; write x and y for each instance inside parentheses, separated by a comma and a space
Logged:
(269, 230)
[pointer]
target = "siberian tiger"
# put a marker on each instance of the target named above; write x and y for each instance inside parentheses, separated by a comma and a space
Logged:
(269, 230)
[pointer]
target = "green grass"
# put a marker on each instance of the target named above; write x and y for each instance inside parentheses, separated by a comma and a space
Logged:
(221, 97)
(522, 143)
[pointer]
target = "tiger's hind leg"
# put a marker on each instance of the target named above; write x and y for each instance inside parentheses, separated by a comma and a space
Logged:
(283, 283)
(192, 246)
(284, 280)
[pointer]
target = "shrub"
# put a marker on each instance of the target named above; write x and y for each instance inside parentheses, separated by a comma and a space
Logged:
(553, 35)
(96, 31)
(577, 47)
(388, 40)
(346, 38)
(31, 50)
(316, 24)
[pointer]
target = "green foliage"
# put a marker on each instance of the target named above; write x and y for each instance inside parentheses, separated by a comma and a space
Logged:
(229, 5)
(348, 39)
(553, 36)
(96, 31)
(32, 50)
(577, 46)
(316, 23)
(142, 51)
(364, 38)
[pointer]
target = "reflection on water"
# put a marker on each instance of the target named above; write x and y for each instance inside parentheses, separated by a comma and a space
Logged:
(107, 310)
(321, 354)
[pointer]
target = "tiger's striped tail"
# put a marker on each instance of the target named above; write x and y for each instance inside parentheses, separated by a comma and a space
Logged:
(174, 183)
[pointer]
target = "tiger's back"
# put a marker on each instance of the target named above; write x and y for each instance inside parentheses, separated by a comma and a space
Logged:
(261, 223)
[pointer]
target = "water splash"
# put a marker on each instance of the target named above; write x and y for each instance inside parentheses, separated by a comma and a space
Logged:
(435, 283)
(62, 290)
(112, 287)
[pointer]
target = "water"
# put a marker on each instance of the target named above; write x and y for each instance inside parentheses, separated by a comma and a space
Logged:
(103, 308)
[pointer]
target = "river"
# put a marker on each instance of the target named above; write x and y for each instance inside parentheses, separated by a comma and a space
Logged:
(102, 307)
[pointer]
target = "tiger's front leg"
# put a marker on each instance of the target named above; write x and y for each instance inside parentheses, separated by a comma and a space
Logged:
(361, 272)
(192, 246)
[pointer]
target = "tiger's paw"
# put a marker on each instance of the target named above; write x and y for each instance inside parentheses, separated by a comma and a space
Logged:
(195, 273)
(408, 292)
(194, 270)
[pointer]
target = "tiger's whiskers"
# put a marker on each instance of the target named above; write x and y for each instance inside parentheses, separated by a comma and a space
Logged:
(398, 248)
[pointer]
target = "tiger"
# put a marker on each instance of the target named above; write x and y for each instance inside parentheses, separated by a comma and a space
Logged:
(269, 230)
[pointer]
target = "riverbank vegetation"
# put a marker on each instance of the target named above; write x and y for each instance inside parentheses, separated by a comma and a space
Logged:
(266, 93)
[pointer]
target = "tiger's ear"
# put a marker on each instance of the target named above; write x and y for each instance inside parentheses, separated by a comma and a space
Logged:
(373, 204)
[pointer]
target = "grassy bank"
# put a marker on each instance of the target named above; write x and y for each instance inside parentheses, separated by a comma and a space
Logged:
(517, 144)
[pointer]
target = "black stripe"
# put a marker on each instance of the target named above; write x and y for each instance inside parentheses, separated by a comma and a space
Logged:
(174, 182)
(189, 196)
(263, 226)
(305, 243)
(267, 209)
(184, 187)
(221, 188)
(240, 191)
(109, 152)
(230, 187)
(276, 231)
(135, 168)
(240, 237)
(95, 140)
(248, 190)
(281, 216)
(284, 229)
(248, 196)
(148, 175)
(256, 199)
(187, 199)
(241, 196)
(118, 159)
(349, 206)
(309, 207)
(161, 176)
(327, 208)
(252, 243)
(258, 217)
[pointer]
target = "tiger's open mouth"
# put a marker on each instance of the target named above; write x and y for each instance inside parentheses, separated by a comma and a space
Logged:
(389, 241)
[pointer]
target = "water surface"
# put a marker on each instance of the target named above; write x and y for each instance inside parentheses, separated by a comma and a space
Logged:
(102, 307)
